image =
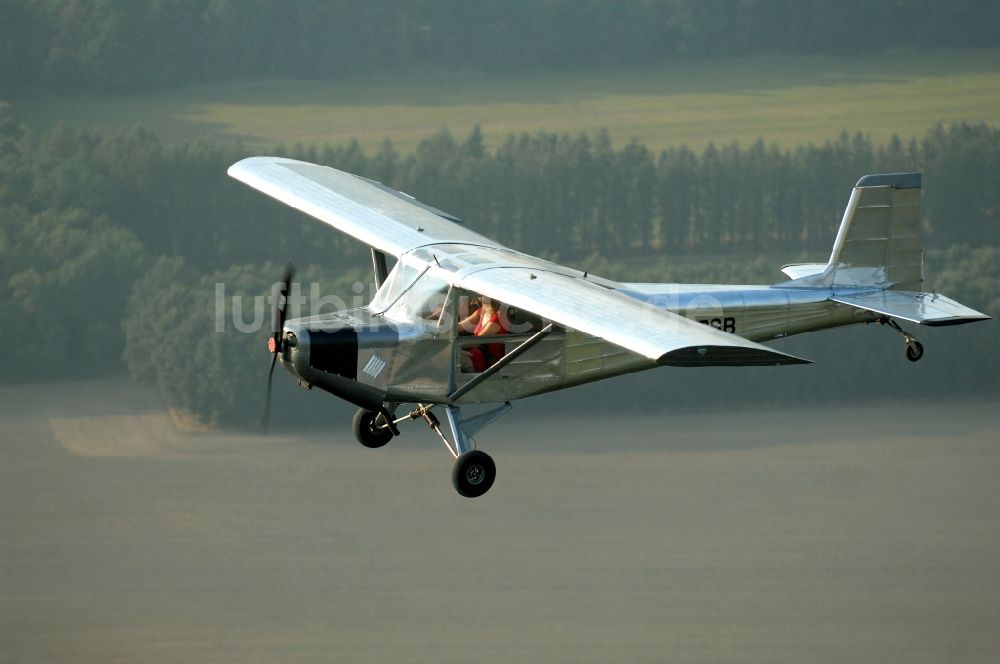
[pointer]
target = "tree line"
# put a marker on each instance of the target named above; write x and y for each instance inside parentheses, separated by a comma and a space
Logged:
(120, 45)
(627, 201)
(111, 243)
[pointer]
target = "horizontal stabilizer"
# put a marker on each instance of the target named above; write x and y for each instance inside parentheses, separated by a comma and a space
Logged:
(802, 270)
(923, 308)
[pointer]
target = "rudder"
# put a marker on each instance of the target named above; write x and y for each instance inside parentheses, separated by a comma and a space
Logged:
(879, 241)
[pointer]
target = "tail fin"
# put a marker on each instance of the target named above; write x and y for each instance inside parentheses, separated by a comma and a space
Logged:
(878, 250)
(878, 244)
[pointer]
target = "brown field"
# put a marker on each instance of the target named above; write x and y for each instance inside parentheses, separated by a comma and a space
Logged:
(863, 534)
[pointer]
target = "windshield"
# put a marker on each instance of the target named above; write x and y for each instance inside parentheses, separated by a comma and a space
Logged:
(401, 278)
(423, 302)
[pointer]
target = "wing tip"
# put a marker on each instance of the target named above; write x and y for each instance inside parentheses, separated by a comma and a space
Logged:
(954, 320)
(247, 162)
(727, 356)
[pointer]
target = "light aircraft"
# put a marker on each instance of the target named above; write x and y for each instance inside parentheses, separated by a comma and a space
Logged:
(542, 327)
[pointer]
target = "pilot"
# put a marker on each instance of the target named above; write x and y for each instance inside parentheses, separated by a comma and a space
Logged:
(484, 321)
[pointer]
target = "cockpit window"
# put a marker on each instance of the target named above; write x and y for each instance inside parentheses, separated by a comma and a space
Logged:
(401, 278)
(423, 302)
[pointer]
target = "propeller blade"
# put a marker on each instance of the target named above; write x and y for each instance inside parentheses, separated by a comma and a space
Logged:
(265, 416)
(275, 342)
(281, 306)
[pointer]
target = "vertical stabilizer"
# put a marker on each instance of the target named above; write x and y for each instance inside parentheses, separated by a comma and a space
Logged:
(878, 245)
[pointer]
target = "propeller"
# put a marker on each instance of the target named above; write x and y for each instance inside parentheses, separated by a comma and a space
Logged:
(275, 343)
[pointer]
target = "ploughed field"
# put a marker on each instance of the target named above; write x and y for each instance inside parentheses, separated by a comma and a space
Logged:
(861, 534)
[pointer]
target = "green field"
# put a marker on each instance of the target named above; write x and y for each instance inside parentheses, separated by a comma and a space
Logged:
(785, 100)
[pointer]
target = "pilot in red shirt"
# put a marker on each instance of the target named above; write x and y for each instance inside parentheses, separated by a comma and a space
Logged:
(485, 321)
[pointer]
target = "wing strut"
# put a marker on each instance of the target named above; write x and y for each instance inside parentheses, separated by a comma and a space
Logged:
(501, 363)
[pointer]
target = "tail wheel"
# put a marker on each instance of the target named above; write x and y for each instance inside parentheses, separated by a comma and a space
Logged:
(473, 473)
(370, 428)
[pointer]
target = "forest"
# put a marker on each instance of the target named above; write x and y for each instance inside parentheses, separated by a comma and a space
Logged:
(65, 46)
(111, 245)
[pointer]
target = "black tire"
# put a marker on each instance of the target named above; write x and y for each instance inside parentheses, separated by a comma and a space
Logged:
(473, 473)
(915, 351)
(365, 429)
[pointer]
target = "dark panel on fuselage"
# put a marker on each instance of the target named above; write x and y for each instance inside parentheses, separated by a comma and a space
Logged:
(334, 351)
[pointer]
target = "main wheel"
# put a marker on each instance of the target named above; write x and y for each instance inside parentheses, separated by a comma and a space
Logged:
(473, 473)
(366, 428)
(914, 351)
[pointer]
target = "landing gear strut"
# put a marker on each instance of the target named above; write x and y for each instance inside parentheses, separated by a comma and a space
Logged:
(914, 349)
(474, 470)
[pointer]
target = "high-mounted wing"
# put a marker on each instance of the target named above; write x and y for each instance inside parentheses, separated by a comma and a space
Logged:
(634, 325)
(383, 218)
(395, 223)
